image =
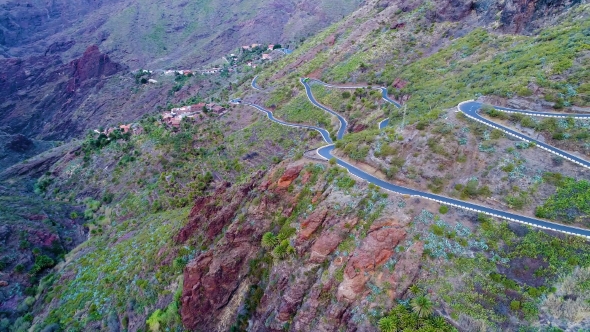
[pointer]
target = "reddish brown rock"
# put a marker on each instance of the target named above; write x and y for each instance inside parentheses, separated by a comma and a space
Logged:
(358, 127)
(309, 225)
(37, 217)
(92, 64)
(398, 83)
(3, 283)
(208, 213)
(329, 240)
(405, 272)
(306, 177)
(293, 296)
(397, 25)
(289, 176)
(330, 40)
(374, 251)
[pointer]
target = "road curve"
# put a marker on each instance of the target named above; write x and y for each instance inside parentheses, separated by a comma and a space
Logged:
(325, 134)
(383, 90)
(343, 122)
(471, 109)
(254, 85)
(326, 152)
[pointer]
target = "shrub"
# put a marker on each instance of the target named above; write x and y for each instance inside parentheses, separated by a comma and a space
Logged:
(269, 240)
(515, 305)
(345, 94)
(345, 182)
(41, 262)
(443, 209)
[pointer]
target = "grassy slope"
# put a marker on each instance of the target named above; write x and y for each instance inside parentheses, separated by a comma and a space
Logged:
(130, 261)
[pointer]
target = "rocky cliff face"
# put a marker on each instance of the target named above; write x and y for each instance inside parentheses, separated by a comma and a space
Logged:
(140, 32)
(63, 64)
(317, 287)
(41, 94)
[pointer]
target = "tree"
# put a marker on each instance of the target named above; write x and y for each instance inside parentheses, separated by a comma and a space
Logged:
(415, 289)
(422, 306)
(269, 240)
(388, 324)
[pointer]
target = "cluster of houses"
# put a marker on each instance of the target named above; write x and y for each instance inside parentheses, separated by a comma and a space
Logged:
(174, 117)
(133, 128)
(178, 72)
(250, 47)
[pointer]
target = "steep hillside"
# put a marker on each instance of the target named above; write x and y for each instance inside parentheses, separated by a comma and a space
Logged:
(67, 67)
(155, 34)
(232, 222)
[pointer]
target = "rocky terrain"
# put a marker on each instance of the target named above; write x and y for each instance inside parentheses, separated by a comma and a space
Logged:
(223, 223)
(64, 72)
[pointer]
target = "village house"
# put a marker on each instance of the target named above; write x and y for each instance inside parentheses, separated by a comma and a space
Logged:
(133, 128)
(174, 116)
(266, 57)
(210, 70)
(271, 47)
(255, 45)
(217, 109)
(246, 48)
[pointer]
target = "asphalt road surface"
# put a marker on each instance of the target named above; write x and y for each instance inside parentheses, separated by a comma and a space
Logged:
(470, 108)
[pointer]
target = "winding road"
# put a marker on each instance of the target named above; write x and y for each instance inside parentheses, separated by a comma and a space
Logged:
(470, 108)
(254, 85)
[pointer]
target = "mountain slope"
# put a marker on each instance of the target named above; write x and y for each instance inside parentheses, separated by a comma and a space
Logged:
(155, 34)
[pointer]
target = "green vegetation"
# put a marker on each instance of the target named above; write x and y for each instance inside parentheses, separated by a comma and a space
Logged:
(472, 189)
(414, 317)
(95, 142)
(300, 110)
(570, 203)
(496, 270)
(169, 317)
(357, 145)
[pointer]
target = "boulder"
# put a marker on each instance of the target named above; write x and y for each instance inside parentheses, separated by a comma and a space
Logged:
(289, 176)
(309, 225)
(375, 250)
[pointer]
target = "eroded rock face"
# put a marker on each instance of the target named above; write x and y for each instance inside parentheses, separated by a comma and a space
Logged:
(92, 65)
(376, 248)
(309, 225)
(214, 278)
(329, 240)
(405, 272)
(210, 281)
(289, 176)
(40, 93)
(217, 210)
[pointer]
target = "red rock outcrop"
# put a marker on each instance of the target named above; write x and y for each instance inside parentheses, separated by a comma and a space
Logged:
(209, 283)
(405, 272)
(208, 212)
(309, 225)
(289, 176)
(92, 65)
(398, 83)
(376, 248)
(329, 240)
